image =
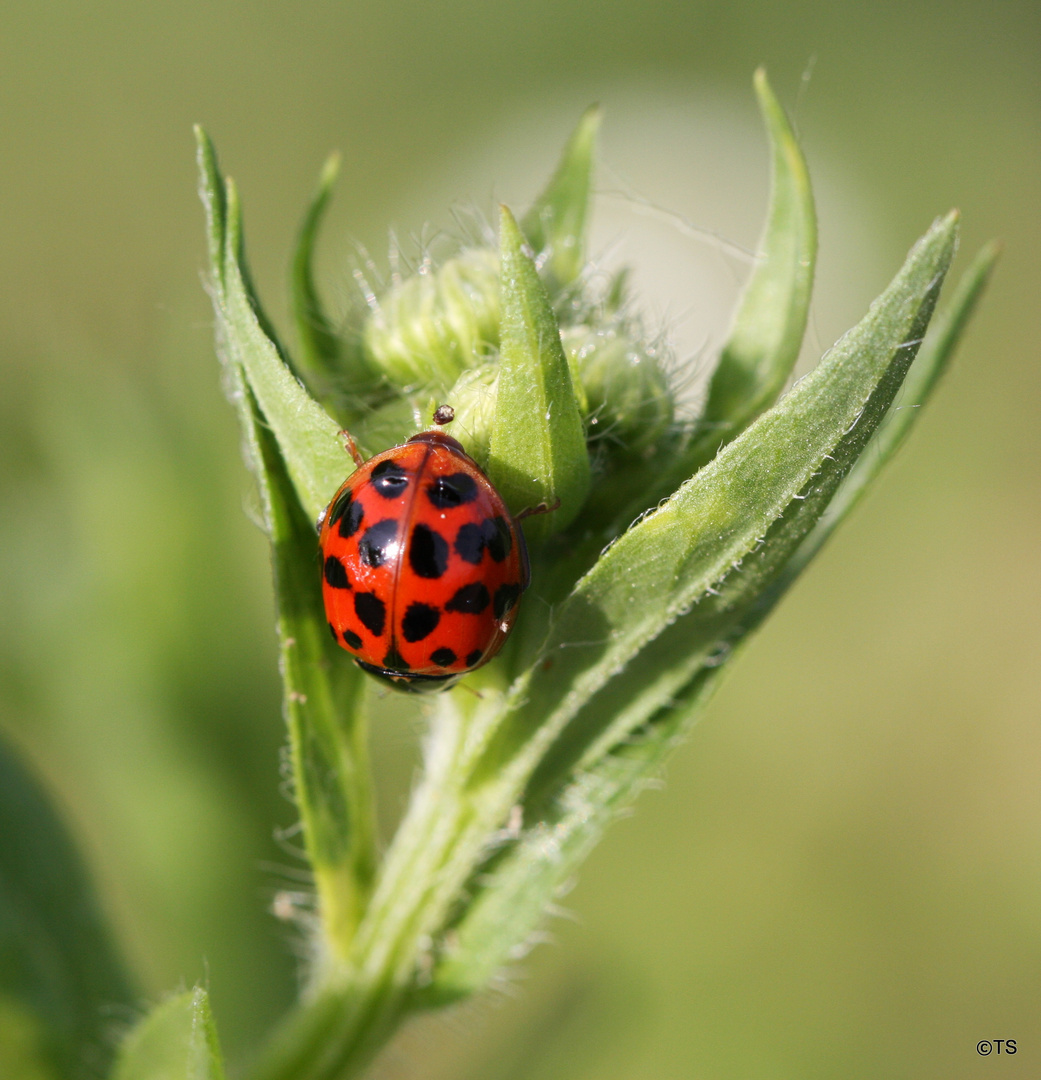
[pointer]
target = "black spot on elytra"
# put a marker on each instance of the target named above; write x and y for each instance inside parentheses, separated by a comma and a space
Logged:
(497, 537)
(419, 621)
(336, 573)
(372, 612)
(469, 600)
(394, 661)
(348, 513)
(469, 543)
(352, 639)
(472, 658)
(505, 598)
(446, 492)
(389, 479)
(443, 657)
(340, 504)
(374, 546)
(492, 534)
(428, 552)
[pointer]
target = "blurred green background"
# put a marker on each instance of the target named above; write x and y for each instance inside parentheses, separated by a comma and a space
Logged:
(842, 875)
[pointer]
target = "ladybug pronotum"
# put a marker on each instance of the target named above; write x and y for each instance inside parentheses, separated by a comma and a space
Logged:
(422, 563)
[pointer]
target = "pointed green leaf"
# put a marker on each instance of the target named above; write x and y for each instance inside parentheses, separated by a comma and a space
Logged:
(318, 342)
(558, 219)
(324, 699)
(307, 436)
(930, 364)
(538, 450)
(211, 192)
(770, 322)
(59, 975)
(176, 1041)
(325, 711)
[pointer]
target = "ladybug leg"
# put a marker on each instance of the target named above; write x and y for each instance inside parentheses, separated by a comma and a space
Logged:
(531, 511)
(542, 508)
(352, 447)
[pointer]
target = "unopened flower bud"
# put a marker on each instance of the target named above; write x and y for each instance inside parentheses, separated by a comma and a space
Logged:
(473, 399)
(436, 324)
(627, 393)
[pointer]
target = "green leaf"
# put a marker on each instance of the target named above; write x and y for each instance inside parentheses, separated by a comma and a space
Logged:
(770, 322)
(324, 704)
(60, 979)
(319, 345)
(538, 450)
(308, 437)
(929, 366)
(211, 192)
(558, 219)
(771, 319)
(176, 1041)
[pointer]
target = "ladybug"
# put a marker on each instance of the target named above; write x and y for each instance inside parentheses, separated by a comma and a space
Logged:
(423, 565)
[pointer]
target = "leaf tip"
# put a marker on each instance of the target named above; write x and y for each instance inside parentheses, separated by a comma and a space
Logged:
(510, 236)
(763, 90)
(206, 152)
(773, 112)
(330, 171)
(589, 124)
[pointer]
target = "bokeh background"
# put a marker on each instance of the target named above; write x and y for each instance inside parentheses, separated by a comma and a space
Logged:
(842, 874)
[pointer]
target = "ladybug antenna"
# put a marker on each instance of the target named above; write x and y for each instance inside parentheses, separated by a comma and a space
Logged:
(444, 414)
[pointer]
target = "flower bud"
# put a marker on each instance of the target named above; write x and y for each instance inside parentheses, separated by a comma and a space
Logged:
(436, 324)
(473, 399)
(627, 394)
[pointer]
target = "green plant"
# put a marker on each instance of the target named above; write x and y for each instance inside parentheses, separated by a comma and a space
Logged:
(672, 542)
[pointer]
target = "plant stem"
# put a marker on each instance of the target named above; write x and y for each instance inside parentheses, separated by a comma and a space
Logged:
(358, 1005)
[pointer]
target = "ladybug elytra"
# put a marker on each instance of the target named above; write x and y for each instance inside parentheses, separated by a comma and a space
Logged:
(422, 563)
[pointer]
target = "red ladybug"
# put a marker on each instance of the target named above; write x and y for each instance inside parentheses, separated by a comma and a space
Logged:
(422, 563)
